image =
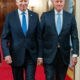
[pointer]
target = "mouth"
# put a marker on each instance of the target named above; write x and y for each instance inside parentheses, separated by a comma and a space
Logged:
(59, 5)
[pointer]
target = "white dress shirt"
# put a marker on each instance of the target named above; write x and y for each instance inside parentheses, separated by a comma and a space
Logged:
(56, 16)
(20, 17)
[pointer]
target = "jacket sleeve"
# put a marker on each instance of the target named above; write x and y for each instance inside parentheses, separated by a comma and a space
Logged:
(74, 37)
(40, 36)
(5, 38)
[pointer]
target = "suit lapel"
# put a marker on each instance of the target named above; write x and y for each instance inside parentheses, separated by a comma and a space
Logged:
(64, 20)
(18, 23)
(29, 21)
(53, 20)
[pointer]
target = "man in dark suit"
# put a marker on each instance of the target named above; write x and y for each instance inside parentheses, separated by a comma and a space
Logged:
(19, 41)
(54, 34)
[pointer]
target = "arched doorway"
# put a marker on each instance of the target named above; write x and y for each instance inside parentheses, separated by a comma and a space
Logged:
(5, 7)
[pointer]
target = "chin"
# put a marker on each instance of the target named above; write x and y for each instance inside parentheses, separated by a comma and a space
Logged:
(59, 9)
(23, 9)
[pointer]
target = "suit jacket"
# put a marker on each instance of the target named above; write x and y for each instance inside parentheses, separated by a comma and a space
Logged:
(12, 32)
(49, 39)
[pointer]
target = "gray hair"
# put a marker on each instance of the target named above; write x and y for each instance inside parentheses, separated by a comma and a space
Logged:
(19, 0)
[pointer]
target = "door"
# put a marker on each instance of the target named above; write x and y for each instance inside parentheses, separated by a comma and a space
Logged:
(5, 7)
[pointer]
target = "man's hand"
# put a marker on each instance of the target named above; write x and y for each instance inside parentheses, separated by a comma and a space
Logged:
(39, 61)
(8, 59)
(73, 61)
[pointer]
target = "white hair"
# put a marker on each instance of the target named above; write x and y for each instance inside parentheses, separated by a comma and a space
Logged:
(19, 0)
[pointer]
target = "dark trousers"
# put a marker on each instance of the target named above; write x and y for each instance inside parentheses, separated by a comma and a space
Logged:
(56, 69)
(29, 67)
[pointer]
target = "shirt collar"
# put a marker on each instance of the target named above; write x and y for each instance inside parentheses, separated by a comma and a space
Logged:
(20, 12)
(61, 12)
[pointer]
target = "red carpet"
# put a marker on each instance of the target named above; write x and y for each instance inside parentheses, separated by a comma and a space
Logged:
(6, 72)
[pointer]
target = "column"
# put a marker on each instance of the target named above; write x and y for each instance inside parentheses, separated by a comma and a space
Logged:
(77, 68)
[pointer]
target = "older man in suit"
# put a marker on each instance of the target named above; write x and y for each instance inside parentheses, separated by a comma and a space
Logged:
(54, 34)
(20, 30)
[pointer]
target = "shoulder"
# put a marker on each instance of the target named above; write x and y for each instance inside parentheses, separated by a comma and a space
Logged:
(69, 17)
(33, 13)
(48, 13)
(11, 14)
(68, 13)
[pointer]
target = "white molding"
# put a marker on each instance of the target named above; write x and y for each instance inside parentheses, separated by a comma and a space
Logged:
(77, 68)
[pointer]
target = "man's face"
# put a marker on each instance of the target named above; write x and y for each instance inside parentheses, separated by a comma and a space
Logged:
(22, 4)
(58, 4)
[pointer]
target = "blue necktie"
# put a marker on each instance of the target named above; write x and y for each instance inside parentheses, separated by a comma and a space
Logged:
(24, 25)
(58, 27)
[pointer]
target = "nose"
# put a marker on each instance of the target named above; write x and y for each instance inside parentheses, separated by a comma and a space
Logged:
(59, 3)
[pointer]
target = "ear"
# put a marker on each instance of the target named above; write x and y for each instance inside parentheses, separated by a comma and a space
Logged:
(16, 3)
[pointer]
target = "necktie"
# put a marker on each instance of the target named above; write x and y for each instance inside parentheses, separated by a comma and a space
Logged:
(24, 25)
(58, 23)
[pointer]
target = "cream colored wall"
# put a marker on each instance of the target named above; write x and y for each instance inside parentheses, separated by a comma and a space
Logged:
(77, 68)
(39, 6)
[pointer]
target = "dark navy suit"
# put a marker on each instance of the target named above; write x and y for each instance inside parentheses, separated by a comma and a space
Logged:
(23, 49)
(55, 49)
